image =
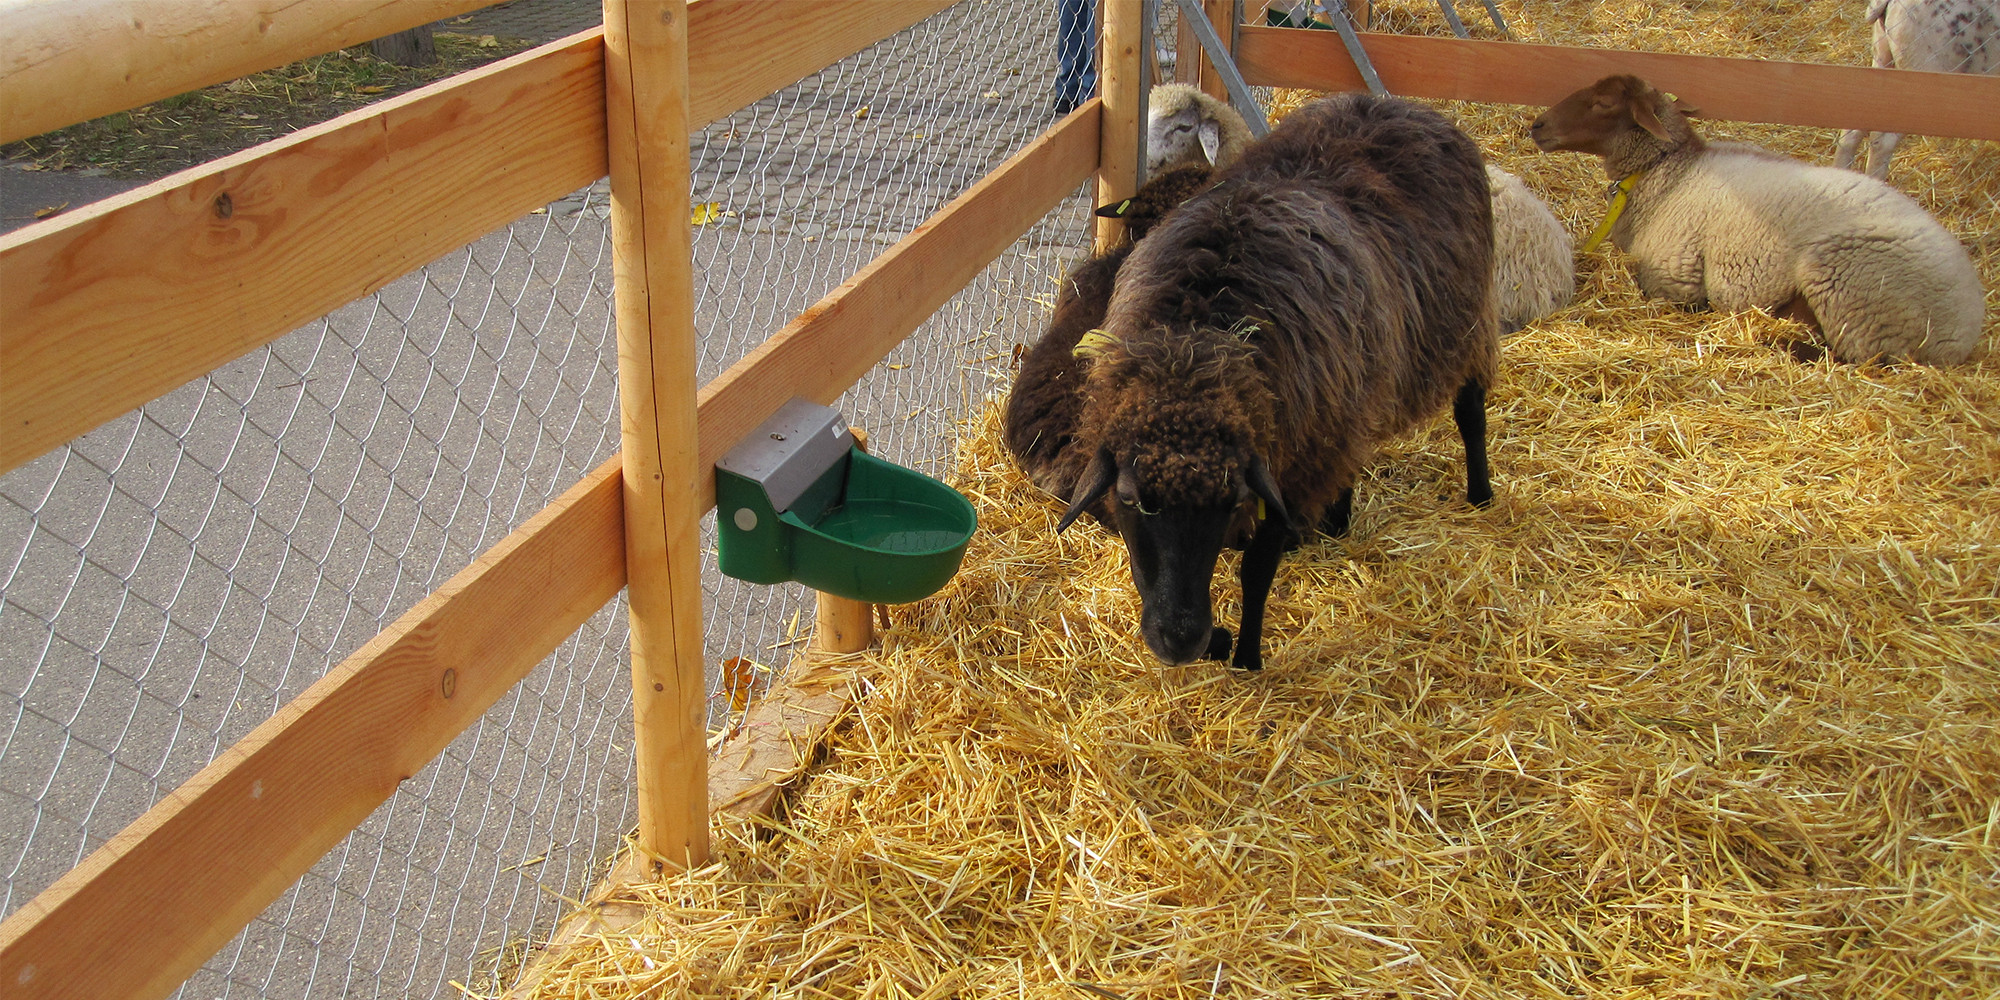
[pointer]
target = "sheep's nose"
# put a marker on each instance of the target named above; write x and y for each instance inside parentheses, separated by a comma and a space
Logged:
(1179, 642)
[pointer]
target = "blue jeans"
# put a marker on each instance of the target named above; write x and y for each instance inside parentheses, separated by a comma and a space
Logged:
(1076, 51)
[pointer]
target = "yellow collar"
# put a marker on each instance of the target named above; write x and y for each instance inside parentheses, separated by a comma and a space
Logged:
(1092, 344)
(1617, 194)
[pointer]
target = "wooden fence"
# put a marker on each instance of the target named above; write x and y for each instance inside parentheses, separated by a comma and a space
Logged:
(113, 305)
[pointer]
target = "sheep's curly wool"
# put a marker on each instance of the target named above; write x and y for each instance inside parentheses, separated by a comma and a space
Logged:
(1047, 398)
(1534, 267)
(1334, 283)
(1191, 432)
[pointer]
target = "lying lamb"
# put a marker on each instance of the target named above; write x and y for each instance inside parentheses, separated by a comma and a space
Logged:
(1735, 226)
(1534, 267)
(1331, 290)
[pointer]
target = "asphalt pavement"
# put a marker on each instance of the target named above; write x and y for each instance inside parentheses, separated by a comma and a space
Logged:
(28, 194)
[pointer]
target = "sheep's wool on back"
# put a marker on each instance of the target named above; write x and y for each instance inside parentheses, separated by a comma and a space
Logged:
(1738, 227)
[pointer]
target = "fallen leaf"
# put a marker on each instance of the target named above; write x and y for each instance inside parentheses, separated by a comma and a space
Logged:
(897, 368)
(738, 674)
(706, 212)
(863, 113)
(43, 213)
(370, 89)
(488, 42)
(991, 95)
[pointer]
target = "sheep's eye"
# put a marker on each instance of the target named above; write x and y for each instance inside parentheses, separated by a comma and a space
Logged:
(1179, 128)
(1129, 497)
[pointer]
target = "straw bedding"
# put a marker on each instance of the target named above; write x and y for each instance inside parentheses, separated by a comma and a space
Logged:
(1704, 706)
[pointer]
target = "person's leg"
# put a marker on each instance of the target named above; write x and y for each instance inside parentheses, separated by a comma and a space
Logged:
(1076, 50)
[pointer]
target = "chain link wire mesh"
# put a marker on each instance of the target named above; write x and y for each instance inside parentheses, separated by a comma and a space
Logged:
(174, 577)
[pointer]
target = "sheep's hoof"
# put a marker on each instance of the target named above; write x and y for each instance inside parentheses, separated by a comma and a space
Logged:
(1247, 658)
(1219, 642)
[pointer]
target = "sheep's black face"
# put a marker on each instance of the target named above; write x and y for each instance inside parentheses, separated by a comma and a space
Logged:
(1173, 553)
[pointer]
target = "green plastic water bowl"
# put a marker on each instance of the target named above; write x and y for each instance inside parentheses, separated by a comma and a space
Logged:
(858, 527)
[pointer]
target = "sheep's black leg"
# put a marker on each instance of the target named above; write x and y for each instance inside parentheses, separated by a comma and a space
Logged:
(1333, 523)
(1260, 567)
(1470, 412)
(1218, 644)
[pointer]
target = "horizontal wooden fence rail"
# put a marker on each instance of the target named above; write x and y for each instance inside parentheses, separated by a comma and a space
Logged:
(831, 345)
(209, 857)
(74, 60)
(1754, 90)
(144, 911)
(122, 301)
(113, 305)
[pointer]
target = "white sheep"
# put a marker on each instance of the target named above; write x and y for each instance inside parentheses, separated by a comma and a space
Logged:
(1942, 36)
(1734, 226)
(1187, 127)
(1534, 271)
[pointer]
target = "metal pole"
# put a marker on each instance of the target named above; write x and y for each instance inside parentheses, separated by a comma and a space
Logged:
(1337, 13)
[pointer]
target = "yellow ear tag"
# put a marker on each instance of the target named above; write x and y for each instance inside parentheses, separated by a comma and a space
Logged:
(1261, 516)
(1092, 344)
(1618, 193)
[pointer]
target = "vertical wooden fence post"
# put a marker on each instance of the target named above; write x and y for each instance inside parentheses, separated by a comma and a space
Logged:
(1223, 15)
(1118, 84)
(646, 114)
(841, 624)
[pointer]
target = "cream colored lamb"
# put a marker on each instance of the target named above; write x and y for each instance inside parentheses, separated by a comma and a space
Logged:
(1735, 226)
(1534, 270)
(1185, 127)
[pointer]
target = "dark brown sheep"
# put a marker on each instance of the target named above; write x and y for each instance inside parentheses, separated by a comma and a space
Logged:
(1329, 291)
(1047, 397)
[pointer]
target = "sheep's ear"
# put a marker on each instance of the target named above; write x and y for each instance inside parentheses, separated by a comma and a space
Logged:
(1115, 210)
(1211, 140)
(1259, 479)
(1648, 116)
(1097, 479)
(1684, 107)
